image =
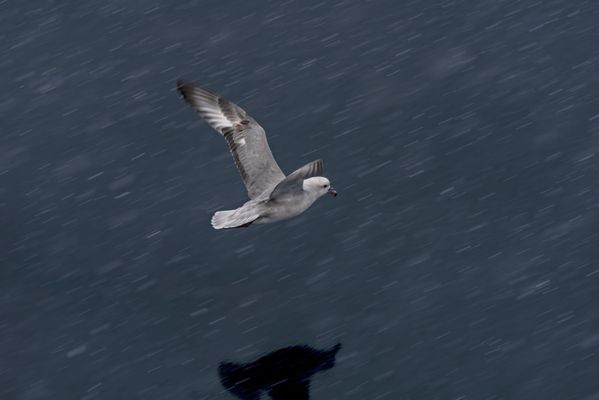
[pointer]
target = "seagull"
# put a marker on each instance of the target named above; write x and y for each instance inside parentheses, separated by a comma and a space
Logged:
(273, 196)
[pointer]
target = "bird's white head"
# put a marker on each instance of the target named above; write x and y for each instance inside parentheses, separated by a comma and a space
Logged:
(318, 185)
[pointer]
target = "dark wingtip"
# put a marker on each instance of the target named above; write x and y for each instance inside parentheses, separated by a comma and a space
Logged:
(182, 87)
(185, 88)
(317, 167)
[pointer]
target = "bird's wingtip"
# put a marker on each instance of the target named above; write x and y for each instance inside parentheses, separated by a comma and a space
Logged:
(181, 86)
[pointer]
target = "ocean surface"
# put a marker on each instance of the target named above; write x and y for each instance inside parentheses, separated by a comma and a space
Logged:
(460, 260)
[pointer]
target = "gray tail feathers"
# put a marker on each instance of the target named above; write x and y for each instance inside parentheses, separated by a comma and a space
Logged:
(242, 216)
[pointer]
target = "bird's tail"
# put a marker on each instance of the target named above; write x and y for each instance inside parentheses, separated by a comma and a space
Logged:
(240, 217)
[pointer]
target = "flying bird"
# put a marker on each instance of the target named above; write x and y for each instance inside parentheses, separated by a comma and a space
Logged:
(273, 196)
(284, 374)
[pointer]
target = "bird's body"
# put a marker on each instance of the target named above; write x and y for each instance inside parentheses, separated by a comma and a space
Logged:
(281, 209)
(273, 196)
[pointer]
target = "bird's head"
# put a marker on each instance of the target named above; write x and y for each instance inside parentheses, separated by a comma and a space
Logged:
(318, 185)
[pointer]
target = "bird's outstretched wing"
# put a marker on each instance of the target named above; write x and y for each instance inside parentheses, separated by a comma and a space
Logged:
(246, 138)
(293, 182)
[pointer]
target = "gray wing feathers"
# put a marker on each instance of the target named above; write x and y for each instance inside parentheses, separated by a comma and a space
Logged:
(310, 170)
(293, 182)
(246, 138)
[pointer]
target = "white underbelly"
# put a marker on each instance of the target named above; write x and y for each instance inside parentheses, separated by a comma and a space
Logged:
(282, 211)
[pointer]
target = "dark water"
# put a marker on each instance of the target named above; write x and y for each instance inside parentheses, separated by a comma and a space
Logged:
(460, 260)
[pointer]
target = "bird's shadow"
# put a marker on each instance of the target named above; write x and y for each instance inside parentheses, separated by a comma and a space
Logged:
(283, 374)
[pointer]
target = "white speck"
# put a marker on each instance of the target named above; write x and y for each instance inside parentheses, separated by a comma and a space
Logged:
(201, 311)
(448, 190)
(245, 249)
(96, 386)
(94, 176)
(120, 196)
(77, 351)
(216, 321)
(585, 157)
(248, 303)
(416, 173)
(138, 156)
(99, 329)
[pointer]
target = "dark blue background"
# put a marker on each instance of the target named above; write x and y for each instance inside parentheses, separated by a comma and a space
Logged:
(460, 260)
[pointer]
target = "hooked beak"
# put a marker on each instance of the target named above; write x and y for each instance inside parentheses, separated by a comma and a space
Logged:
(332, 192)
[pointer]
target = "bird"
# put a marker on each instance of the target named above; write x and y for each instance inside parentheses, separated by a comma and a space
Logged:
(273, 196)
(283, 374)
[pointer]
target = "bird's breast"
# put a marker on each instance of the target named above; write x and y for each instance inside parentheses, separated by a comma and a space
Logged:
(287, 207)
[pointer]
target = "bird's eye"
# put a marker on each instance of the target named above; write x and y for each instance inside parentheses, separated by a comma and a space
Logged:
(324, 186)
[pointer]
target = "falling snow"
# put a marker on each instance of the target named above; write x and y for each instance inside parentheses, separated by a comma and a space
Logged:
(460, 260)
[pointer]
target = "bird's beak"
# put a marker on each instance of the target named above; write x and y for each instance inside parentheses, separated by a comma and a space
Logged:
(332, 192)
